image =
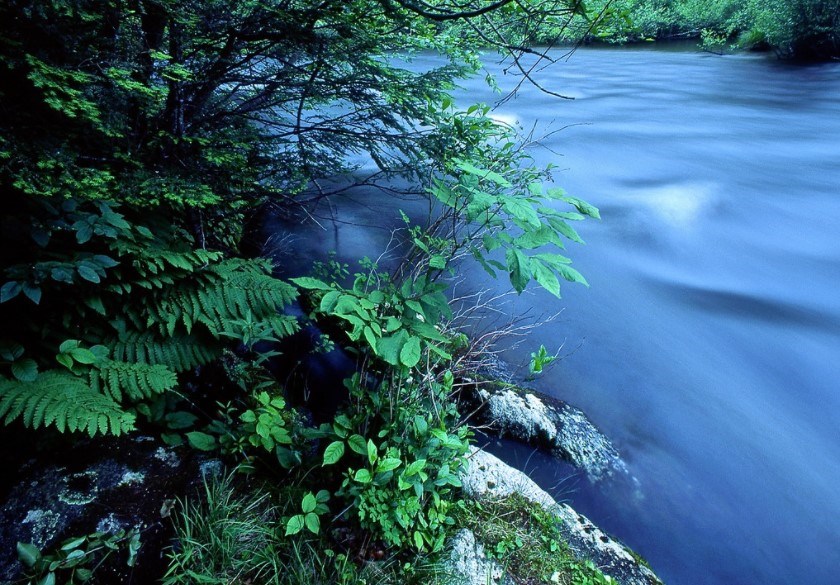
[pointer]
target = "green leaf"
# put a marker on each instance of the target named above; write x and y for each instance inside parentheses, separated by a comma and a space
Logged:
(370, 336)
(414, 467)
(363, 476)
(62, 274)
(69, 344)
(28, 553)
(438, 262)
(388, 464)
(371, 452)
(333, 452)
(83, 574)
(485, 174)
(180, 420)
(309, 503)
(287, 457)
(201, 441)
(48, 579)
(582, 206)
(33, 293)
(72, 543)
(546, 278)
(88, 274)
(74, 558)
(571, 274)
(521, 210)
(82, 355)
(64, 360)
(357, 444)
(294, 525)
(25, 370)
(9, 291)
(329, 301)
(519, 268)
(391, 346)
(310, 283)
(565, 229)
(535, 238)
(410, 352)
(418, 540)
(313, 523)
(420, 425)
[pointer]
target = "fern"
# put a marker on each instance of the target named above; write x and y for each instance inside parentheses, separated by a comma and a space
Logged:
(228, 291)
(138, 381)
(178, 353)
(62, 400)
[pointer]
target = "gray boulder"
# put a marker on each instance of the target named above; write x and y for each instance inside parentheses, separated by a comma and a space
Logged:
(489, 477)
(545, 423)
(468, 564)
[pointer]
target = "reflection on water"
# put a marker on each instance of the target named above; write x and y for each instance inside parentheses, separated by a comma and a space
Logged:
(708, 346)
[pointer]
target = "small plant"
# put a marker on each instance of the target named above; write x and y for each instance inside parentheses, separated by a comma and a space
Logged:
(402, 474)
(73, 559)
(312, 507)
(539, 360)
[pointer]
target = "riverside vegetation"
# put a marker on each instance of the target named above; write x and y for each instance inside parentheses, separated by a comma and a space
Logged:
(803, 29)
(139, 141)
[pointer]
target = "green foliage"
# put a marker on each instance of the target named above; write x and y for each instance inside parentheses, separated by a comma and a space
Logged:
(62, 400)
(178, 353)
(492, 205)
(312, 507)
(793, 28)
(149, 307)
(131, 381)
(237, 533)
(401, 469)
(539, 360)
(397, 323)
(71, 561)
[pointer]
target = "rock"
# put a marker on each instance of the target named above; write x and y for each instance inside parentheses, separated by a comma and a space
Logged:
(546, 423)
(489, 477)
(104, 485)
(468, 563)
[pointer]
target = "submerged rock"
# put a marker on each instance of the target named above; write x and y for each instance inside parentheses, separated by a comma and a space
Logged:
(487, 477)
(546, 423)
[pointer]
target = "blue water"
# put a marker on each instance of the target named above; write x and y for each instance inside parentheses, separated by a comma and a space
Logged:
(708, 346)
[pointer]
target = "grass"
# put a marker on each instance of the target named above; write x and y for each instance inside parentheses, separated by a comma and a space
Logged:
(234, 535)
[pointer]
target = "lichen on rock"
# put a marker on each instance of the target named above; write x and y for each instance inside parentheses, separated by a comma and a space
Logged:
(468, 564)
(546, 423)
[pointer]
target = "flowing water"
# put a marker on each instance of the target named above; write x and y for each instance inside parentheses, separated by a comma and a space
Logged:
(708, 346)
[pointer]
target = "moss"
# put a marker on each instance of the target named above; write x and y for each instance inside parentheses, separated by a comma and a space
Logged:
(525, 539)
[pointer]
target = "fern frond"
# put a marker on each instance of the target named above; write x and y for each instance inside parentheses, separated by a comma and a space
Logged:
(178, 353)
(136, 381)
(62, 400)
(230, 290)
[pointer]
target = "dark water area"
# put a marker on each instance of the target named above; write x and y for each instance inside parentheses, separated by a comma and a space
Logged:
(708, 346)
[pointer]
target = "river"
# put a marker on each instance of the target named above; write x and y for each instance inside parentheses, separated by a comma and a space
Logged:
(708, 346)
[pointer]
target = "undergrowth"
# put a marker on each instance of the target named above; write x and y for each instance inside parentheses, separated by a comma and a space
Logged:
(236, 534)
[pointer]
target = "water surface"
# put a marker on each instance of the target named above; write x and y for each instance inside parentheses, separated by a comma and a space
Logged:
(708, 346)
